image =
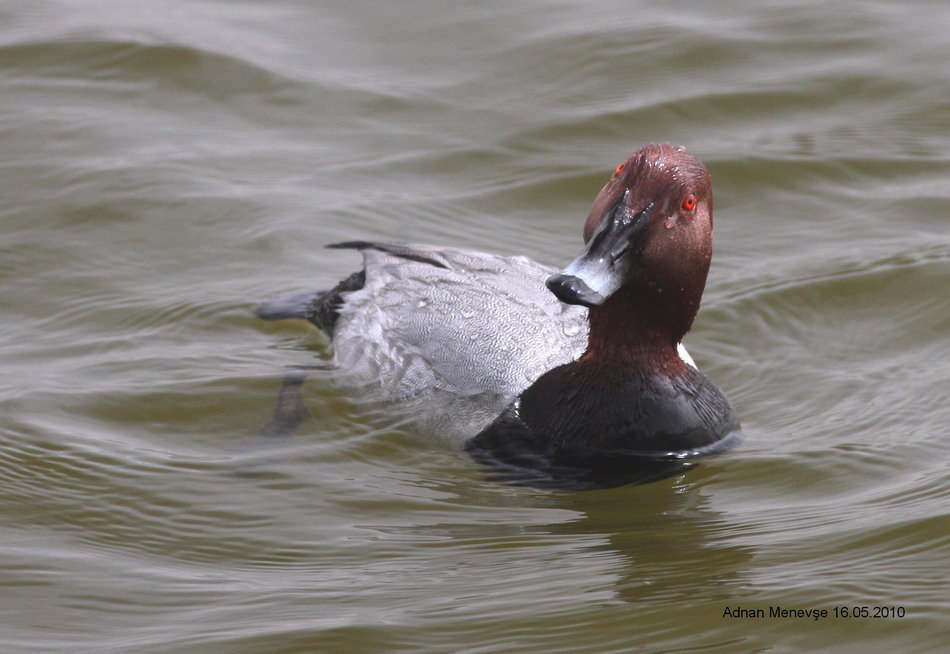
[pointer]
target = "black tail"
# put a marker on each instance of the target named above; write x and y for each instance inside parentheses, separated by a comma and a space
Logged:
(292, 305)
(322, 308)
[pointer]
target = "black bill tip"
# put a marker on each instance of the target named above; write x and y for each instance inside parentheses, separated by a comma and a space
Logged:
(572, 290)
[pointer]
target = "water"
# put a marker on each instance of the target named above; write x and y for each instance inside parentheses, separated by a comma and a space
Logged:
(166, 165)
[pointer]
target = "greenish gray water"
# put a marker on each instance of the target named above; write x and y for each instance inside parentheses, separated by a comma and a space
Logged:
(165, 165)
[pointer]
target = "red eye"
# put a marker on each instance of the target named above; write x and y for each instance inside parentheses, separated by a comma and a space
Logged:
(619, 168)
(689, 203)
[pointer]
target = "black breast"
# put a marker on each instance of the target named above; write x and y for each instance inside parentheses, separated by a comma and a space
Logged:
(571, 417)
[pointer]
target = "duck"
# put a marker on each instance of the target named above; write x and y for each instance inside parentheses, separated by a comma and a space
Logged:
(522, 364)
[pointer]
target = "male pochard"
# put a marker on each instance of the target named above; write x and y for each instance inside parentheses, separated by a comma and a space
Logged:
(492, 353)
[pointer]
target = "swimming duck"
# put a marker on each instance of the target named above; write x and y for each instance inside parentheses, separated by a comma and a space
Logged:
(516, 361)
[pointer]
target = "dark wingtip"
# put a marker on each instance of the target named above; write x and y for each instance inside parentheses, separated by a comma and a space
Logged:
(350, 245)
(401, 250)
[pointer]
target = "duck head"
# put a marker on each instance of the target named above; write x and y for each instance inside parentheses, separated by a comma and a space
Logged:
(648, 247)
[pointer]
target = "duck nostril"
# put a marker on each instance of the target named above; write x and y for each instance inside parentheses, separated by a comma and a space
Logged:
(617, 254)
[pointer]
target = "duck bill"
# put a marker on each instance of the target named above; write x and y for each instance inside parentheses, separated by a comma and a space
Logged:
(613, 254)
